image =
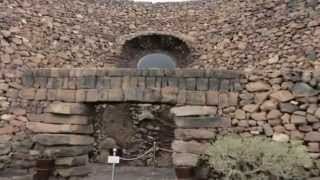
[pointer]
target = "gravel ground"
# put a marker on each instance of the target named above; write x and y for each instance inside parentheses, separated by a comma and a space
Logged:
(103, 172)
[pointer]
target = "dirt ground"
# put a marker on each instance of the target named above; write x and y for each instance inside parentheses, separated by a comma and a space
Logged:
(104, 172)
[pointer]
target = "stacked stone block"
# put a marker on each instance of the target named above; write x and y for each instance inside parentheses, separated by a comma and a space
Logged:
(181, 86)
(282, 105)
(64, 133)
(61, 128)
(195, 126)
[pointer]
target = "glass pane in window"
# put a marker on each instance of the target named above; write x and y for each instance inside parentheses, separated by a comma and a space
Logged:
(156, 60)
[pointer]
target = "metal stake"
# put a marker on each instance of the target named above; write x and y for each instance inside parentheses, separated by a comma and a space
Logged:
(114, 165)
(154, 154)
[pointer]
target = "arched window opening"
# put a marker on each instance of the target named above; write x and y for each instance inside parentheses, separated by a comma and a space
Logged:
(155, 51)
(156, 61)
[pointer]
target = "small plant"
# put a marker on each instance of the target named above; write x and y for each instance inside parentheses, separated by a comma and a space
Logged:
(257, 158)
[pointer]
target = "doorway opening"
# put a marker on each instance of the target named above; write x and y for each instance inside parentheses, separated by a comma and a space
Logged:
(133, 128)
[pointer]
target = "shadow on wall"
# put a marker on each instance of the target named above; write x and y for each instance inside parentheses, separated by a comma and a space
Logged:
(140, 46)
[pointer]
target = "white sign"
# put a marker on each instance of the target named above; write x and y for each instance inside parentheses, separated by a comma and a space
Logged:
(113, 159)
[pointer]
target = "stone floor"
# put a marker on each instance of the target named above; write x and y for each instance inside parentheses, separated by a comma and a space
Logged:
(103, 172)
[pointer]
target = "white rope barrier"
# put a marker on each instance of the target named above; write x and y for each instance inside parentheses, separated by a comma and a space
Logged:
(138, 157)
(152, 150)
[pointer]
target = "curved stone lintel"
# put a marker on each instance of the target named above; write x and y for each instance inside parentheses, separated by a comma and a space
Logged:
(190, 41)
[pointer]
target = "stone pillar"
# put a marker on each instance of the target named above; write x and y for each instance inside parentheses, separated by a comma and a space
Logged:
(195, 126)
(64, 132)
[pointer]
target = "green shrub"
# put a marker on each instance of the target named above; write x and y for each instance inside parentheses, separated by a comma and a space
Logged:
(257, 158)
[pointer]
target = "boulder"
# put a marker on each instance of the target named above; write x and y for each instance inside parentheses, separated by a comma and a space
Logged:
(7, 117)
(312, 119)
(5, 149)
(185, 159)
(107, 143)
(72, 161)
(202, 122)
(312, 108)
(188, 134)
(303, 89)
(67, 151)
(297, 119)
(58, 118)
(258, 86)
(240, 114)
(4, 86)
(68, 108)
(269, 105)
(243, 123)
(282, 96)
(250, 108)
(259, 116)
(193, 111)
(268, 130)
(39, 127)
(273, 114)
(63, 139)
(18, 111)
(8, 130)
(312, 136)
(305, 128)
(189, 147)
(288, 107)
(261, 97)
(5, 139)
(280, 137)
(317, 113)
(313, 147)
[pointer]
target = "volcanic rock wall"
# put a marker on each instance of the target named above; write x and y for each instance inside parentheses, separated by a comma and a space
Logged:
(246, 35)
(233, 34)
(282, 105)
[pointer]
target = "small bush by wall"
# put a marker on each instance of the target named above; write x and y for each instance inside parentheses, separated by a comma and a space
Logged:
(233, 157)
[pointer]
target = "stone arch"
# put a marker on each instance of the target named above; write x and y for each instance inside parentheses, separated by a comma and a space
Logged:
(135, 46)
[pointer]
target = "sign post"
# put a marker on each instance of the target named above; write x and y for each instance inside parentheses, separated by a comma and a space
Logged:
(114, 159)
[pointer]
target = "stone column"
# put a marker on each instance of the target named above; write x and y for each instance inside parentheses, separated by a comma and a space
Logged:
(195, 126)
(65, 133)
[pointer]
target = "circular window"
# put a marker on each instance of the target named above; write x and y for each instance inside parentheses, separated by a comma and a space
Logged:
(156, 60)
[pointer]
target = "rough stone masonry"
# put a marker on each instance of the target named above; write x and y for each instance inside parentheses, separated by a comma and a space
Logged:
(273, 44)
(282, 105)
(61, 127)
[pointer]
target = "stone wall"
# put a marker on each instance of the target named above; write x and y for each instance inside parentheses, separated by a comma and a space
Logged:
(60, 102)
(180, 86)
(245, 36)
(234, 35)
(282, 105)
